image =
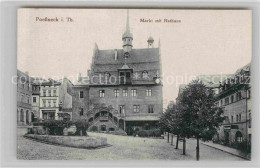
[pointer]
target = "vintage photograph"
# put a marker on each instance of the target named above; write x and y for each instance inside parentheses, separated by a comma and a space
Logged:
(133, 84)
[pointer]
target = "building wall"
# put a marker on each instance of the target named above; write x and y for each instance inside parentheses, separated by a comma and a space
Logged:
(53, 99)
(140, 98)
(36, 106)
(24, 93)
(78, 103)
(240, 111)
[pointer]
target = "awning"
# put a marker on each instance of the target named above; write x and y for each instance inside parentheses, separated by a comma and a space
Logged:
(142, 118)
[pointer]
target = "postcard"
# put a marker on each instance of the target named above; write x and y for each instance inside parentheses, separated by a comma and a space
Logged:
(133, 84)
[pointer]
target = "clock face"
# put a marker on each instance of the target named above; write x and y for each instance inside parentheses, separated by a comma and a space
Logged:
(157, 81)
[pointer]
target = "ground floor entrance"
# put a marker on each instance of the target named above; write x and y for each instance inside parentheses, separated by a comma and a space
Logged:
(134, 126)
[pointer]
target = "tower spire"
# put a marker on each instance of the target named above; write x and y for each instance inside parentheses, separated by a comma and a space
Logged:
(127, 22)
(127, 36)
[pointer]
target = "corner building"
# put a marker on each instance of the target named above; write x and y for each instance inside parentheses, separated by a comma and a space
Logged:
(124, 89)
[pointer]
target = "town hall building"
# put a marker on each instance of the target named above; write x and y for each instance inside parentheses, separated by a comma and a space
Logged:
(123, 89)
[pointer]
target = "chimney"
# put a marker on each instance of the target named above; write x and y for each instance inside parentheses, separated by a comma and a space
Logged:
(116, 54)
(79, 77)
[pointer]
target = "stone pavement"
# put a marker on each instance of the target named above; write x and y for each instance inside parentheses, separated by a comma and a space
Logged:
(122, 148)
(227, 149)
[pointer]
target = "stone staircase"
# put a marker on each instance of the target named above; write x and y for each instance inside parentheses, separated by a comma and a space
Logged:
(99, 120)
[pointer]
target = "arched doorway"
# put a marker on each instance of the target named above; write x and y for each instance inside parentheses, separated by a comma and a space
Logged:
(239, 136)
(32, 117)
(91, 119)
(27, 117)
(103, 128)
(21, 116)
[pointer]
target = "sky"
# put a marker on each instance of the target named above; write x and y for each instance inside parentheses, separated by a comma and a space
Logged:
(205, 42)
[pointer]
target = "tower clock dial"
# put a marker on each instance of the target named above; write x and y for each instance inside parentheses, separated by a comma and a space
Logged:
(157, 80)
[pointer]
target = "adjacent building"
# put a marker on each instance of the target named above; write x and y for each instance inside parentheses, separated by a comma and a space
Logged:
(235, 98)
(233, 94)
(55, 101)
(24, 96)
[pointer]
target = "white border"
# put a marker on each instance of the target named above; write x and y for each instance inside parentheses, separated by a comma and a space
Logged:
(8, 91)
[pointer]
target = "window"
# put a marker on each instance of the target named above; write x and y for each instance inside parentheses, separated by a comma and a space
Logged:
(148, 92)
(232, 98)
(49, 92)
(116, 91)
(45, 116)
(124, 92)
(125, 77)
(81, 94)
(136, 108)
(121, 109)
(102, 93)
(239, 117)
(150, 108)
(232, 119)
(221, 102)
(54, 103)
(227, 101)
(81, 112)
(239, 137)
(145, 75)
(44, 103)
(49, 103)
(107, 75)
(28, 99)
(239, 96)
(133, 91)
(44, 92)
(54, 92)
(51, 116)
(34, 99)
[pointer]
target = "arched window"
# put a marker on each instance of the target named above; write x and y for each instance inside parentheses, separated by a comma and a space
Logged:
(239, 137)
(107, 75)
(145, 75)
(22, 115)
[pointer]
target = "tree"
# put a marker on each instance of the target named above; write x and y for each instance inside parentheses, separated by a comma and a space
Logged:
(168, 121)
(200, 116)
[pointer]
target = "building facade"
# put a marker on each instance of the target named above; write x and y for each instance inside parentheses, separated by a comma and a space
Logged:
(55, 100)
(235, 98)
(24, 96)
(49, 100)
(123, 89)
(35, 101)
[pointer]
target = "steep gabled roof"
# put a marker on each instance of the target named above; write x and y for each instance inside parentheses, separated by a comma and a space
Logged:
(144, 55)
(140, 60)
